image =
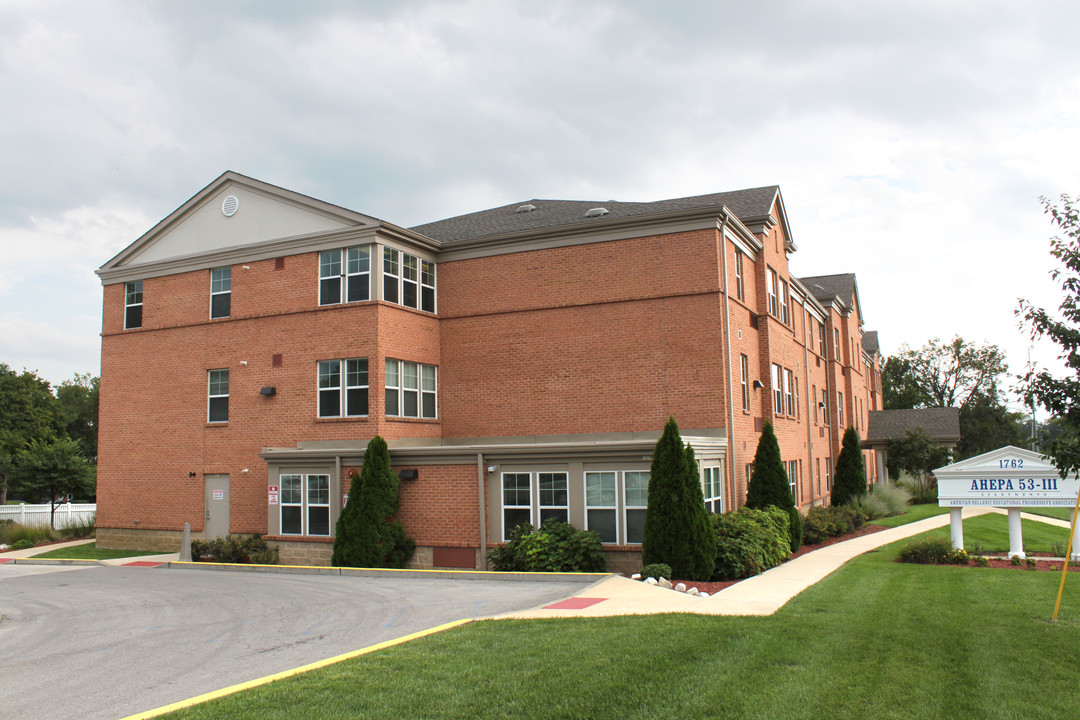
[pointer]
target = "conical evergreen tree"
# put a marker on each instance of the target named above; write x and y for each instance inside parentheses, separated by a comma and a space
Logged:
(769, 483)
(850, 480)
(677, 529)
(366, 535)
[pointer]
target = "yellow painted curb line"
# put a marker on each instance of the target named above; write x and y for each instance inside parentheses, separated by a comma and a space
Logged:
(198, 699)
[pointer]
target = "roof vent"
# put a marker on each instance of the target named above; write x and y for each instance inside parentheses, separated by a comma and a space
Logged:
(597, 212)
(525, 208)
(229, 205)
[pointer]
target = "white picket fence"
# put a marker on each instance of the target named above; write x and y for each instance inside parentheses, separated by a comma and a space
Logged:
(66, 514)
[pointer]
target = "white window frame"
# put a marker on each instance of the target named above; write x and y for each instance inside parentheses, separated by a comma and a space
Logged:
(425, 391)
(840, 409)
(133, 298)
(406, 274)
(623, 504)
(215, 384)
(785, 310)
(825, 405)
(221, 287)
(613, 508)
(713, 487)
(391, 275)
(552, 508)
(789, 397)
(347, 372)
(347, 267)
(517, 476)
(793, 479)
(428, 296)
(744, 379)
(310, 500)
(330, 269)
(739, 288)
(770, 287)
(777, 388)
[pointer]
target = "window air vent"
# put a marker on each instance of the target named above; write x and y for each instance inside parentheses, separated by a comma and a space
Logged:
(525, 208)
(229, 205)
(597, 212)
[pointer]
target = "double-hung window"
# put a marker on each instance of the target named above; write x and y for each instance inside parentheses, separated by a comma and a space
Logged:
(518, 491)
(770, 285)
(133, 305)
(789, 399)
(793, 479)
(785, 313)
(220, 292)
(343, 388)
(821, 339)
(554, 496)
(777, 388)
(615, 505)
(408, 280)
(411, 389)
(218, 400)
(824, 406)
(345, 275)
(714, 488)
(744, 380)
(391, 275)
(305, 505)
(738, 275)
(840, 409)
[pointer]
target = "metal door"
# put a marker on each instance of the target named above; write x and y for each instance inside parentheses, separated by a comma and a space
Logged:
(217, 506)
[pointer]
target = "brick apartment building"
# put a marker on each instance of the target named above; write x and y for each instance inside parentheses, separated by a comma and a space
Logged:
(520, 361)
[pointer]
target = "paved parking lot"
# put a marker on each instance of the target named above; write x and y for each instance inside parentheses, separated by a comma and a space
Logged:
(106, 642)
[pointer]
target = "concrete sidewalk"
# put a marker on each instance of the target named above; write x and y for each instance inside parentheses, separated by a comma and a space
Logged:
(759, 595)
(29, 554)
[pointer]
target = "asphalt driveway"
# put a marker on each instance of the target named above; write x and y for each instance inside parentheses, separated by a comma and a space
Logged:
(107, 642)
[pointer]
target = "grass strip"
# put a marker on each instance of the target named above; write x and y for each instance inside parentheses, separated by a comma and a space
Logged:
(90, 551)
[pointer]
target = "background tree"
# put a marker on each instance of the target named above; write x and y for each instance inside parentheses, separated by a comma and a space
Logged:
(918, 456)
(1060, 396)
(28, 411)
(769, 483)
(849, 481)
(677, 530)
(49, 470)
(987, 424)
(366, 534)
(78, 400)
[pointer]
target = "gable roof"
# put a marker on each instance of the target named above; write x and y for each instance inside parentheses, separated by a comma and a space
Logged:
(941, 424)
(750, 206)
(870, 342)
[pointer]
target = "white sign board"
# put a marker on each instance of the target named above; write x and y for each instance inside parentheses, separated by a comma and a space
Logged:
(1009, 477)
(219, 494)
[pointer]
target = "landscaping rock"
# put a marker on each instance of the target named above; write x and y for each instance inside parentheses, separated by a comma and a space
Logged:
(664, 583)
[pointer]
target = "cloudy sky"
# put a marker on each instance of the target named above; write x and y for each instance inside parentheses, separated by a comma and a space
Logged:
(911, 139)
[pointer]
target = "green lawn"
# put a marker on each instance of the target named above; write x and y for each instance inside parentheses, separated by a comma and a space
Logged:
(876, 639)
(990, 533)
(1061, 513)
(915, 512)
(90, 551)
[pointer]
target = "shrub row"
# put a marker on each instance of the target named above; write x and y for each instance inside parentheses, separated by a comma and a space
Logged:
(554, 547)
(12, 532)
(250, 549)
(822, 523)
(933, 551)
(749, 541)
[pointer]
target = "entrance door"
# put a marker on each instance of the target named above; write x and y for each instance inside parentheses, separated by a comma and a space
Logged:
(217, 506)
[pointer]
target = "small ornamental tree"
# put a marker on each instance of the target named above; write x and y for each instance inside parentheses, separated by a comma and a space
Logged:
(366, 534)
(849, 482)
(677, 530)
(769, 484)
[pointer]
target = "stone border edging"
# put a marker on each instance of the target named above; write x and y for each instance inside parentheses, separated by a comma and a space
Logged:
(585, 578)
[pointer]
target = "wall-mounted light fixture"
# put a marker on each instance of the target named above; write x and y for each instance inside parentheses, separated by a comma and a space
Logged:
(191, 474)
(758, 385)
(408, 474)
(491, 468)
(268, 391)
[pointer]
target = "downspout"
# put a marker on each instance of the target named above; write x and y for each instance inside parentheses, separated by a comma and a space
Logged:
(481, 475)
(810, 401)
(729, 503)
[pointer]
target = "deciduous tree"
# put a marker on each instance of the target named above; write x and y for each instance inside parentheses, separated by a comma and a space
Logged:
(28, 411)
(942, 374)
(50, 470)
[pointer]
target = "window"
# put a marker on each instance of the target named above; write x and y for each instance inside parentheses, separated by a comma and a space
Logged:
(777, 388)
(517, 503)
(738, 275)
(793, 480)
(391, 275)
(821, 339)
(828, 474)
(818, 476)
(343, 394)
(770, 286)
(220, 292)
(410, 389)
(554, 497)
(813, 400)
(789, 399)
(603, 492)
(408, 280)
(744, 379)
(836, 345)
(357, 276)
(305, 505)
(714, 489)
(840, 409)
(133, 305)
(824, 406)
(218, 405)
(785, 312)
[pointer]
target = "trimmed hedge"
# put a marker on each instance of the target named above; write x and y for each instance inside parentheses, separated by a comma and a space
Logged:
(822, 523)
(934, 551)
(750, 541)
(235, 549)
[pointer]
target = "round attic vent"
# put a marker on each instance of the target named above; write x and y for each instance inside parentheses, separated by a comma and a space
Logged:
(229, 205)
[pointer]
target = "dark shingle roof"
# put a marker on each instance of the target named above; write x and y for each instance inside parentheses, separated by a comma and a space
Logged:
(870, 342)
(941, 424)
(745, 204)
(826, 287)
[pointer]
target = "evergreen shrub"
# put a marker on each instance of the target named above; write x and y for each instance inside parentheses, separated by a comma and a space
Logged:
(244, 549)
(656, 571)
(769, 484)
(555, 547)
(749, 541)
(935, 550)
(849, 482)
